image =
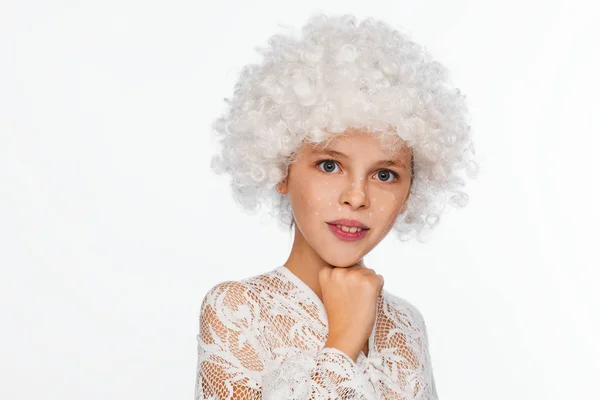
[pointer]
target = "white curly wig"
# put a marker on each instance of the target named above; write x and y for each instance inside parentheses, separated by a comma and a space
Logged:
(335, 75)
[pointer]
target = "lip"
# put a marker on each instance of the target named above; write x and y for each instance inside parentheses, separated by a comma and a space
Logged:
(347, 236)
(349, 223)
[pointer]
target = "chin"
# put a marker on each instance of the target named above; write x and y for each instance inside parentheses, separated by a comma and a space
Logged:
(341, 261)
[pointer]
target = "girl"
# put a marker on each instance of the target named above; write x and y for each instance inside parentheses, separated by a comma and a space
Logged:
(348, 132)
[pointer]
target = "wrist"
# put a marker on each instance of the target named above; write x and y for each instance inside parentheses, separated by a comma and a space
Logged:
(349, 349)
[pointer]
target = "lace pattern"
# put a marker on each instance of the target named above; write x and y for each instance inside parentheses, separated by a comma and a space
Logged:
(262, 338)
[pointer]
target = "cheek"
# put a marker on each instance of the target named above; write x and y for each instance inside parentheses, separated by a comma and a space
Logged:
(325, 197)
(384, 205)
(387, 209)
(316, 199)
(321, 199)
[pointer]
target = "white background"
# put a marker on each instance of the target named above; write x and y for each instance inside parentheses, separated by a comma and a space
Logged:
(113, 226)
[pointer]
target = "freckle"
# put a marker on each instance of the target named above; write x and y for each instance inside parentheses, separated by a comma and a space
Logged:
(381, 209)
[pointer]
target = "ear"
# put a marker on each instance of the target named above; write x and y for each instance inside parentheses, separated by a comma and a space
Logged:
(282, 187)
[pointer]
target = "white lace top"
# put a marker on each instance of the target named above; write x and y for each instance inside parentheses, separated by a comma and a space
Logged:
(262, 338)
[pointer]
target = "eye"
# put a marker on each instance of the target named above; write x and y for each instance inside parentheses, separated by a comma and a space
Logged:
(328, 163)
(386, 173)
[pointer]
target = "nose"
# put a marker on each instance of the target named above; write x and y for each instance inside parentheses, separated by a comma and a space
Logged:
(355, 195)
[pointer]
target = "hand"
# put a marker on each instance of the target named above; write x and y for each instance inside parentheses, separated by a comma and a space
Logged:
(350, 299)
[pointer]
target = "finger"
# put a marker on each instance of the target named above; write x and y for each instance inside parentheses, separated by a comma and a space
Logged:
(352, 267)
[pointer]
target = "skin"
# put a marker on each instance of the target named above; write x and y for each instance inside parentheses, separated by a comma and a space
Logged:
(352, 187)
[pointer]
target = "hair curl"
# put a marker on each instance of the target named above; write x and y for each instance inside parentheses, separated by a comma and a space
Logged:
(335, 75)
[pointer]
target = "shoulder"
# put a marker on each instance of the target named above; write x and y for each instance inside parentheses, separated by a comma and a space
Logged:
(403, 312)
(236, 299)
(228, 292)
(228, 301)
(249, 291)
(400, 304)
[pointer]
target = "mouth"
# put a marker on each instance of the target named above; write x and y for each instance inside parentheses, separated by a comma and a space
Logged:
(350, 223)
(349, 234)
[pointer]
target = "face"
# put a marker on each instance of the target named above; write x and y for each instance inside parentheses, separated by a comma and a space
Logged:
(350, 177)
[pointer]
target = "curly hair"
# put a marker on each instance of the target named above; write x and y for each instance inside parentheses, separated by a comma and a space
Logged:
(338, 74)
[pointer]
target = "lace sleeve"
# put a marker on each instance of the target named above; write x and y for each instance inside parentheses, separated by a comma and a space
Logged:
(431, 390)
(404, 357)
(233, 365)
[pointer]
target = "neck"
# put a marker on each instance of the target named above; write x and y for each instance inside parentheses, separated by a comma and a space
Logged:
(305, 263)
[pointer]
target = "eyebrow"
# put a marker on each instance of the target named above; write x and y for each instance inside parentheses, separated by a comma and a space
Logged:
(382, 163)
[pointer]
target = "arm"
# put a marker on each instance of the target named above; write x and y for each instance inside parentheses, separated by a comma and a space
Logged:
(233, 365)
(404, 368)
(432, 392)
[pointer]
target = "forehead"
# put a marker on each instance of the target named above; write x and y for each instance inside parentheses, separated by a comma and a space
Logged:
(388, 146)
